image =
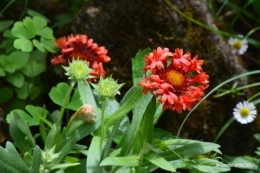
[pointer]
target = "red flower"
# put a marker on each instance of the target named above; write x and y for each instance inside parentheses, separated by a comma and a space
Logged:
(80, 46)
(178, 84)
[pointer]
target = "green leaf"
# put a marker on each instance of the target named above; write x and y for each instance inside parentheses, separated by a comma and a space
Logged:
(39, 22)
(57, 95)
(6, 94)
(19, 30)
(17, 79)
(36, 161)
(30, 27)
(49, 45)
(67, 144)
(18, 59)
(19, 137)
(128, 161)
(94, 154)
(209, 165)
(32, 119)
(5, 24)
(50, 141)
(33, 68)
(159, 161)
(33, 13)
(38, 45)
(129, 101)
(138, 63)
(2, 72)
(46, 33)
(86, 94)
(139, 109)
(21, 124)
(22, 93)
(11, 161)
(24, 44)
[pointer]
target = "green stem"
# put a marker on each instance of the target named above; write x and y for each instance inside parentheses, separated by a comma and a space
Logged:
(252, 31)
(223, 129)
(6, 7)
(24, 9)
(102, 127)
(199, 23)
(65, 103)
(74, 116)
(254, 96)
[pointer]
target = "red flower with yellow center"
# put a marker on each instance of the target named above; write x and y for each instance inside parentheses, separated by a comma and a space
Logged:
(176, 79)
(83, 48)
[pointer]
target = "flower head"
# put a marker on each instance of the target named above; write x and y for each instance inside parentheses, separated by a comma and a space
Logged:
(178, 83)
(80, 46)
(107, 88)
(245, 112)
(78, 70)
(86, 113)
(239, 46)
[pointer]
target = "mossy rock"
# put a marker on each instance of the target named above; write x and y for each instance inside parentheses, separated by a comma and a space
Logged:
(125, 26)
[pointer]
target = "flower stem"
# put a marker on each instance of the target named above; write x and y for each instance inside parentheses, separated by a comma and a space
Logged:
(223, 129)
(65, 104)
(102, 127)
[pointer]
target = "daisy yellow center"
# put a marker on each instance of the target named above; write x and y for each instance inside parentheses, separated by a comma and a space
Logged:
(175, 78)
(244, 112)
(238, 44)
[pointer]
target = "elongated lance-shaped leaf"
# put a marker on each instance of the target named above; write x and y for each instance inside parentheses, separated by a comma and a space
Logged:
(128, 161)
(94, 154)
(19, 137)
(145, 133)
(128, 102)
(138, 63)
(159, 161)
(68, 143)
(139, 110)
(51, 138)
(11, 161)
(86, 94)
(24, 128)
(189, 150)
(36, 161)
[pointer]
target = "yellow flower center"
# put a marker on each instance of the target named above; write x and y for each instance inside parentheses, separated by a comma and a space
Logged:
(244, 112)
(175, 78)
(238, 44)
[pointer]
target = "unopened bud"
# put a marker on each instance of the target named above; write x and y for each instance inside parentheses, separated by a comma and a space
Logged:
(87, 113)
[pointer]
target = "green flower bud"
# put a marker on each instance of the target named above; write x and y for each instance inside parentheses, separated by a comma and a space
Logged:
(78, 70)
(107, 88)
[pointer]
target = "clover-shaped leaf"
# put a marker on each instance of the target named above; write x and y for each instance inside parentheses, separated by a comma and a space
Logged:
(57, 94)
(24, 44)
(17, 79)
(39, 22)
(49, 45)
(32, 118)
(38, 45)
(25, 29)
(46, 33)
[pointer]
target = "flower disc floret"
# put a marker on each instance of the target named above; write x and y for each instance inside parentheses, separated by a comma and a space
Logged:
(178, 84)
(80, 46)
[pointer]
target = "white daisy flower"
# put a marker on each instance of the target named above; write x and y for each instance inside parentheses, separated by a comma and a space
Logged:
(245, 112)
(239, 46)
